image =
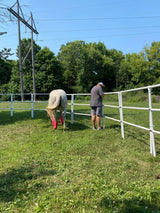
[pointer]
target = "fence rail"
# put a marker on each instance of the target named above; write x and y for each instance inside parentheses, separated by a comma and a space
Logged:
(120, 107)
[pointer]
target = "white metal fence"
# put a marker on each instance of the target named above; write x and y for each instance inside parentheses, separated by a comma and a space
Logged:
(149, 108)
(120, 106)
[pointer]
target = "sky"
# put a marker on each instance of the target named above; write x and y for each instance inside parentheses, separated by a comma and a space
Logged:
(124, 25)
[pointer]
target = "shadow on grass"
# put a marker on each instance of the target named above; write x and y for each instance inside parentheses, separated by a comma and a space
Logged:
(143, 137)
(81, 122)
(115, 126)
(76, 126)
(23, 180)
(6, 118)
(132, 205)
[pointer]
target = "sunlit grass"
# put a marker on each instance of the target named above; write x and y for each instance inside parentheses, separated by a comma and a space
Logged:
(79, 170)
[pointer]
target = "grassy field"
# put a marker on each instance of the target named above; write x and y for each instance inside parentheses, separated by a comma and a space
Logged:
(79, 170)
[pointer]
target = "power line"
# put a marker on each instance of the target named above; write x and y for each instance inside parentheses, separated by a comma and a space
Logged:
(93, 29)
(97, 29)
(100, 36)
(104, 18)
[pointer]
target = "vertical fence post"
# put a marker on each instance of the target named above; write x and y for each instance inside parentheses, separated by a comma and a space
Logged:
(152, 141)
(32, 107)
(121, 113)
(103, 118)
(72, 109)
(11, 104)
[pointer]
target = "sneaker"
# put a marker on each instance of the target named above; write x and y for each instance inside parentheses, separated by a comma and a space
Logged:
(99, 128)
(94, 128)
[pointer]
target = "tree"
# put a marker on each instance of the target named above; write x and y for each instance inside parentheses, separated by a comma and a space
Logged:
(152, 56)
(27, 63)
(8, 83)
(14, 84)
(86, 64)
(71, 57)
(97, 67)
(124, 75)
(142, 69)
(5, 71)
(5, 53)
(117, 57)
(133, 72)
(87, 73)
(48, 72)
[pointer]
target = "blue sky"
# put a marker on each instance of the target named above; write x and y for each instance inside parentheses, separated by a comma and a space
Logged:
(124, 25)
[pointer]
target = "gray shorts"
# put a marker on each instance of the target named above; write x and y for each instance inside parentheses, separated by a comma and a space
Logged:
(96, 111)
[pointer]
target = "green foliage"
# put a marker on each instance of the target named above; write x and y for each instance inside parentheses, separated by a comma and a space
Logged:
(26, 51)
(49, 74)
(136, 96)
(5, 53)
(14, 84)
(140, 69)
(4, 90)
(133, 72)
(5, 71)
(71, 58)
(27, 65)
(85, 65)
(79, 66)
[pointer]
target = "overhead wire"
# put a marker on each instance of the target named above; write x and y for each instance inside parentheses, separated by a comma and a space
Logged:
(96, 29)
(103, 18)
(109, 28)
(101, 36)
(100, 29)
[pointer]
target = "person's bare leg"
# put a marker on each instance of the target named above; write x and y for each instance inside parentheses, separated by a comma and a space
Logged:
(98, 118)
(93, 120)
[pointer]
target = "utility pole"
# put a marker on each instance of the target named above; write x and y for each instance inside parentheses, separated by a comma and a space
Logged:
(22, 19)
(20, 55)
(33, 70)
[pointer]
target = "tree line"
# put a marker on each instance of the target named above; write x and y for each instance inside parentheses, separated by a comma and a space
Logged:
(78, 66)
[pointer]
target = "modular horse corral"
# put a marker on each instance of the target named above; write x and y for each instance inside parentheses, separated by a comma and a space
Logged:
(120, 106)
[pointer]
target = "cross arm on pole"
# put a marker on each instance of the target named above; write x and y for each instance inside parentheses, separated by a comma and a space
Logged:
(22, 20)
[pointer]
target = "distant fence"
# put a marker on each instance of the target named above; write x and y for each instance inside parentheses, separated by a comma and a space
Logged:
(120, 106)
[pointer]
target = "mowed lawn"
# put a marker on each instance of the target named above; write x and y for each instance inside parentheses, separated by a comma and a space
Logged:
(79, 170)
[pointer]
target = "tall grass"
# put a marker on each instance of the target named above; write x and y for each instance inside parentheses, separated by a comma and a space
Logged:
(79, 170)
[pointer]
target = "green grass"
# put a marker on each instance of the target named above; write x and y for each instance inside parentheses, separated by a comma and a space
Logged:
(79, 170)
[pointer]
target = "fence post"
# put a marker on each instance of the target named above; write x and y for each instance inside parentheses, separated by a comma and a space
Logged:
(32, 107)
(72, 109)
(103, 118)
(121, 113)
(11, 104)
(152, 141)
